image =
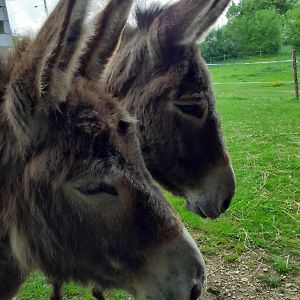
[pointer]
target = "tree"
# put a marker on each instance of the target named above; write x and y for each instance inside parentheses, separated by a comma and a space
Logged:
(253, 26)
(248, 7)
(260, 31)
(292, 27)
(218, 43)
(234, 10)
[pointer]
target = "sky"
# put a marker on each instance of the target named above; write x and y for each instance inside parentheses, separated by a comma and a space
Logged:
(26, 16)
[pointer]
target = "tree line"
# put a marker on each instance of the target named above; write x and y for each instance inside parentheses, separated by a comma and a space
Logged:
(255, 26)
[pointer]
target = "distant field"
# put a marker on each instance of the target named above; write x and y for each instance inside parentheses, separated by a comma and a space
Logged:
(270, 78)
(261, 125)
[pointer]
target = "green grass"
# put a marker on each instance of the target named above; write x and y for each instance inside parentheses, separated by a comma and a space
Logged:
(261, 125)
(274, 79)
(282, 266)
(271, 281)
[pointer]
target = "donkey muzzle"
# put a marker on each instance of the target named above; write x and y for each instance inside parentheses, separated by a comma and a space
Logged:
(178, 274)
(214, 194)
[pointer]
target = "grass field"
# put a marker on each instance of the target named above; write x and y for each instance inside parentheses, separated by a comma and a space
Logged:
(261, 124)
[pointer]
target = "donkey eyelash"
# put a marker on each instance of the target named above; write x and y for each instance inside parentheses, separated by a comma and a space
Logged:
(98, 188)
(191, 110)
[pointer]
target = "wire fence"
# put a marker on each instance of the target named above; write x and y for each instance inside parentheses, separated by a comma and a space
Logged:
(252, 63)
(236, 56)
(254, 75)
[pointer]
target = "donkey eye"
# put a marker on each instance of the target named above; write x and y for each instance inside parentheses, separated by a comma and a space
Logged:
(98, 188)
(191, 110)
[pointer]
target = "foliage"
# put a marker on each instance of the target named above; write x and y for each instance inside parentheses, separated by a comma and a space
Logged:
(248, 7)
(254, 26)
(292, 27)
(260, 31)
(218, 43)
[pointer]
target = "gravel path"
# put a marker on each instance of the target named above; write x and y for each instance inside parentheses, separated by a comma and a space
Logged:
(242, 280)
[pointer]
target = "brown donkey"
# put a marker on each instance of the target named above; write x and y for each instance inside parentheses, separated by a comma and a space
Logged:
(76, 201)
(161, 79)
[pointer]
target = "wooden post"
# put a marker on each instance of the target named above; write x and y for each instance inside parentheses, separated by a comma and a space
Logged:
(295, 73)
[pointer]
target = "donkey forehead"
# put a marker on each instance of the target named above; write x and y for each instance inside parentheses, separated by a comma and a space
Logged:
(183, 73)
(183, 59)
(192, 71)
(88, 106)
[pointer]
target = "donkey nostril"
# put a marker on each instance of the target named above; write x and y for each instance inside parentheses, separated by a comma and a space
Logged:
(226, 204)
(196, 292)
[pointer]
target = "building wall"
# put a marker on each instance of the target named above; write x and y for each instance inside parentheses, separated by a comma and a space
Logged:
(3, 15)
(7, 28)
(6, 39)
(3, 11)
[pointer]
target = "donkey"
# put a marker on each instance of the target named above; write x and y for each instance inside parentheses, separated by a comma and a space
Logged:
(161, 79)
(76, 200)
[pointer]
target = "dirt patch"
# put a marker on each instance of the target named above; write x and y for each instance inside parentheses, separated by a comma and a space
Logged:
(248, 278)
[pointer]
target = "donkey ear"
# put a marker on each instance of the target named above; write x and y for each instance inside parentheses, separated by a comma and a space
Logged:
(43, 75)
(184, 22)
(109, 24)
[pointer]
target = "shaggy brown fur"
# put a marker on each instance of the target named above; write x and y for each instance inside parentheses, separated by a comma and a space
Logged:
(76, 200)
(161, 79)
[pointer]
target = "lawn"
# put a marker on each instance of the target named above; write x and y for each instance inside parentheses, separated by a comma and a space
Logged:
(261, 125)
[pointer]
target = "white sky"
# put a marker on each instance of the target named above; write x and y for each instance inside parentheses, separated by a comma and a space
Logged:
(28, 15)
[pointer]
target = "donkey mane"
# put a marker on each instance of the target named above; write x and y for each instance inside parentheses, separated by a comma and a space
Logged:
(145, 16)
(4, 65)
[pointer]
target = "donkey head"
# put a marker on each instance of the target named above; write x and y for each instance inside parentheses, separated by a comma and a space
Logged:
(77, 200)
(161, 78)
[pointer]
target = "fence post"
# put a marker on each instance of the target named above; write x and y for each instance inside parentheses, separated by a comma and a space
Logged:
(295, 73)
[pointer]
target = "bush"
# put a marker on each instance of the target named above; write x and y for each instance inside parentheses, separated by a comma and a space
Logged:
(292, 27)
(218, 43)
(261, 31)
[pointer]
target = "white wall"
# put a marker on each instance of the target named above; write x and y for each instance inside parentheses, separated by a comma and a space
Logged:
(6, 40)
